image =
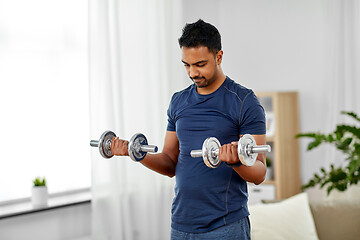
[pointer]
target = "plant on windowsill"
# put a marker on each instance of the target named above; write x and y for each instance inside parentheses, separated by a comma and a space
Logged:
(346, 138)
(39, 192)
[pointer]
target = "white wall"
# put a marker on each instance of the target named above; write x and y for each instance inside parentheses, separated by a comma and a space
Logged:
(275, 45)
(59, 224)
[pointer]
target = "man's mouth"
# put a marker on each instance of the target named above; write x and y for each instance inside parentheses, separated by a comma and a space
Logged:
(197, 80)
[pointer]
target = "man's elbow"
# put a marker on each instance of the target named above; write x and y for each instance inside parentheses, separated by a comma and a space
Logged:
(170, 172)
(259, 180)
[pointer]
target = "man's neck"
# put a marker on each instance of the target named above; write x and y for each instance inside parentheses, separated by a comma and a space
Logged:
(213, 86)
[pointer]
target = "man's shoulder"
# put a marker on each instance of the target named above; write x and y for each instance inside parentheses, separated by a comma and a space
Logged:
(238, 90)
(181, 94)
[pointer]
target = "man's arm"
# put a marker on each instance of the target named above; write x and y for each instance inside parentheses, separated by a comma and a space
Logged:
(163, 163)
(255, 173)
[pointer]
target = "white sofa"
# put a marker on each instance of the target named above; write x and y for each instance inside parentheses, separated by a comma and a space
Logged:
(297, 218)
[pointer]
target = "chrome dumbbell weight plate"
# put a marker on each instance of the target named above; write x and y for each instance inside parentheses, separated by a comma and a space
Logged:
(209, 152)
(104, 144)
(248, 150)
(138, 147)
(246, 142)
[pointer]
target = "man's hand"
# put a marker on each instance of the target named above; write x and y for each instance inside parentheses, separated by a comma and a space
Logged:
(228, 153)
(119, 147)
(254, 174)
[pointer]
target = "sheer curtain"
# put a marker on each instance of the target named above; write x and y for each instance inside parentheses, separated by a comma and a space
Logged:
(342, 72)
(341, 81)
(134, 69)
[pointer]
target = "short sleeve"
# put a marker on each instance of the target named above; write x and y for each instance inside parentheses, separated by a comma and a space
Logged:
(252, 117)
(171, 121)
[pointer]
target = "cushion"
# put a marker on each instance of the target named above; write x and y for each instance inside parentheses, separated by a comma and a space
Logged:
(337, 218)
(288, 219)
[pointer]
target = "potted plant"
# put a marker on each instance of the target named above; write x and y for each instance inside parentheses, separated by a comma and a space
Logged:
(39, 192)
(346, 138)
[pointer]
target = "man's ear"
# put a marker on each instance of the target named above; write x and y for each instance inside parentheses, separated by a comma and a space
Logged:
(218, 57)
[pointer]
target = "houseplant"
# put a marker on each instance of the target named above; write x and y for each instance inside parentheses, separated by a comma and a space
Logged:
(39, 192)
(346, 138)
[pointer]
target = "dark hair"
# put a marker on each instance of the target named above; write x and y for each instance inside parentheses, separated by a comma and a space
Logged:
(201, 33)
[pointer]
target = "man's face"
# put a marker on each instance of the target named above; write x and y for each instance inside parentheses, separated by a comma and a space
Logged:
(201, 65)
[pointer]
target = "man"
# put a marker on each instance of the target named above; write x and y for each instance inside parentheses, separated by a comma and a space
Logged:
(209, 203)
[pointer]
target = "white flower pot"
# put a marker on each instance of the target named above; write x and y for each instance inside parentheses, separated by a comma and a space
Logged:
(39, 196)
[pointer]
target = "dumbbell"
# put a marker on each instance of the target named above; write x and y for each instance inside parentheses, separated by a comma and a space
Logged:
(247, 151)
(137, 147)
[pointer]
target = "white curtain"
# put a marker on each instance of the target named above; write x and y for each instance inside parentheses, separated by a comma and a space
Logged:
(134, 69)
(341, 80)
(342, 73)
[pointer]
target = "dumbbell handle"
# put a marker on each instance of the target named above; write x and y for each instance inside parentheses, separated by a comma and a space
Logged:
(143, 148)
(148, 148)
(250, 150)
(199, 153)
(259, 149)
(196, 153)
(94, 143)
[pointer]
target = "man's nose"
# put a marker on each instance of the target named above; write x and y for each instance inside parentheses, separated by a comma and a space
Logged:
(193, 72)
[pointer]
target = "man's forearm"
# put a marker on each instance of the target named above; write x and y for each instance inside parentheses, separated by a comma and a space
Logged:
(160, 163)
(254, 174)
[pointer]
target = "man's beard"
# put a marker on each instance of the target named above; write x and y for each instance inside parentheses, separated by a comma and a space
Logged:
(205, 83)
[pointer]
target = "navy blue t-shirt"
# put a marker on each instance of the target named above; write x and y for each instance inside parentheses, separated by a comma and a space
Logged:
(207, 198)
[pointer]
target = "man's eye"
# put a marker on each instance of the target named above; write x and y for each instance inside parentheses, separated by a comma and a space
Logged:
(201, 65)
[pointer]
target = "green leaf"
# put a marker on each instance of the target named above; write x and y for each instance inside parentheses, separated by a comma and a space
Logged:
(38, 182)
(341, 129)
(329, 189)
(313, 144)
(347, 141)
(351, 114)
(312, 135)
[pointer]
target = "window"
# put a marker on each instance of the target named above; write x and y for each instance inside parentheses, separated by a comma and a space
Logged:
(44, 96)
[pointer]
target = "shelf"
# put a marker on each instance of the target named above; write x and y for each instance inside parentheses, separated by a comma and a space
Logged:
(281, 109)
